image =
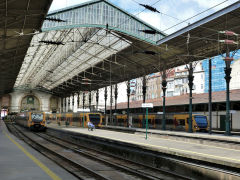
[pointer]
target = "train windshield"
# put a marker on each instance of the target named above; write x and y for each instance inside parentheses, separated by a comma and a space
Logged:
(94, 118)
(37, 117)
(201, 121)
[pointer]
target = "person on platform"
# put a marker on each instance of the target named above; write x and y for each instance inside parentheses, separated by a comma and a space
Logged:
(90, 126)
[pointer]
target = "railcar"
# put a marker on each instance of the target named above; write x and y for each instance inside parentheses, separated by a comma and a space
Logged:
(174, 121)
(79, 119)
(33, 120)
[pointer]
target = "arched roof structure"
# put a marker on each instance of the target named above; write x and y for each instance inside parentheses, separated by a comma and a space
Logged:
(95, 44)
(87, 41)
(19, 20)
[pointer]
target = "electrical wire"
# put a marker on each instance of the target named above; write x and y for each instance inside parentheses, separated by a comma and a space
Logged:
(196, 15)
(193, 17)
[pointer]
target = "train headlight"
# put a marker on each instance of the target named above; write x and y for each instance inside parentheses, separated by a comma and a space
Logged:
(195, 127)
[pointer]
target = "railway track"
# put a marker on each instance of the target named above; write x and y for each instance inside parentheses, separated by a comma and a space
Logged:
(86, 163)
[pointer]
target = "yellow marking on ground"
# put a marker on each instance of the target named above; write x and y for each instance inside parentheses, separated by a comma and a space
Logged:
(173, 149)
(35, 160)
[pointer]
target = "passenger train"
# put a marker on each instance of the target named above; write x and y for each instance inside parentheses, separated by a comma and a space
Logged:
(175, 121)
(79, 119)
(33, 120)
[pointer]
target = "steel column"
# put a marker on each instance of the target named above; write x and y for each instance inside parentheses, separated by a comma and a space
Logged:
(111, 101)
(190, 83)
(61, 105)
(210, 95)
(228, 77)
(89, 100)
(144, 90)
(97, 98)
(65, 104)
(78, 100)
(115, 95)
(83, 100)
(105, 99)
(68, 103)
(73, 102)
(164, 87)
(128, 97)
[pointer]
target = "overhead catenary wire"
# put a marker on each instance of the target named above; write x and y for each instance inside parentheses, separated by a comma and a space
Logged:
(196, 15)
(193, 17)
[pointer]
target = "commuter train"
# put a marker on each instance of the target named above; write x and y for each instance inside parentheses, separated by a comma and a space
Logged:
(79, 119)
(33, 120)
(176, 121)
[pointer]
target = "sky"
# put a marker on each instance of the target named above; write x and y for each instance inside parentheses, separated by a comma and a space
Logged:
(171, 11)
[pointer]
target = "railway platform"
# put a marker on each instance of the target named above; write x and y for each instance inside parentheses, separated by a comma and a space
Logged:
(214, 149)
(19, 161)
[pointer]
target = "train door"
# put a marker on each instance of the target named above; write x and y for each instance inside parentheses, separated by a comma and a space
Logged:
(59, 119)
(130, 121)
(151, 121)
(222, 122)
(179, 124)
(29, 119)
(125, 120)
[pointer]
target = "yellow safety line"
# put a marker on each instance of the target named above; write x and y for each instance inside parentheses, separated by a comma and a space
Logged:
(35, 160)
(174, 149)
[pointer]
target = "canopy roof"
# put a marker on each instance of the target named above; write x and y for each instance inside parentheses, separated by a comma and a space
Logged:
(82, 45)
(96, 44)
(19, 20)
(204, 37)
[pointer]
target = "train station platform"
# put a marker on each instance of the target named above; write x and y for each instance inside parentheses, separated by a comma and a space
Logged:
(21, 162)
(221, 150)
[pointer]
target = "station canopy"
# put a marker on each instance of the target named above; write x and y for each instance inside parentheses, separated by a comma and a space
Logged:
(206, 38)
(85, 47)
(95, 44)
(20, 19)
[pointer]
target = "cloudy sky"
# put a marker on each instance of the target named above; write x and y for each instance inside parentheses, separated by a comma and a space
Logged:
(172, 11)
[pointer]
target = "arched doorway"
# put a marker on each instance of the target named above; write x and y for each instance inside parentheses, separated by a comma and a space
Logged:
(30, 103)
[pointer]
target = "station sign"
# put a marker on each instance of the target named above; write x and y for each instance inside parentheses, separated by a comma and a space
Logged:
(147, 105)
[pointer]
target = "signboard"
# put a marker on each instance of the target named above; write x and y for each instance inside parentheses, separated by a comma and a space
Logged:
(147, 105)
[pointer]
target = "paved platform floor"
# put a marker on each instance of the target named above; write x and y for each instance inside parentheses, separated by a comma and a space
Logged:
(18, 161)
(209, 153)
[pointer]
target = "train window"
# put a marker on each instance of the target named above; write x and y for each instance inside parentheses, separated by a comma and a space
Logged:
(169, 121)
(120, 120)
(158, 121)
(76, 119)
(37, 117)
(181, 122)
